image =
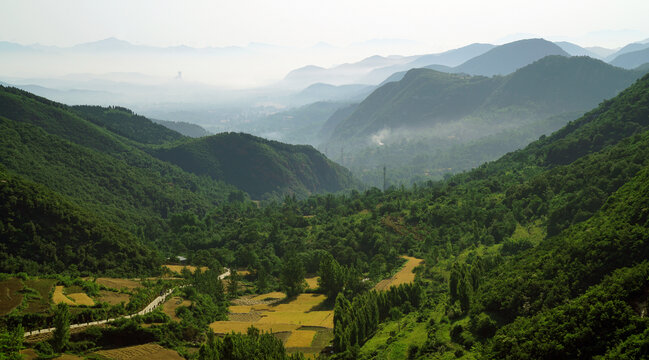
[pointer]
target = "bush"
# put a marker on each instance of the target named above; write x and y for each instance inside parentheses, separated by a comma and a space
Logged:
(44, 349)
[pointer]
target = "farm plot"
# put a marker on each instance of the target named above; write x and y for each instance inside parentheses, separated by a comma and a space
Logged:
(113, 298)
(118, 284)
(404, 276)
(170, 306)
(74, 299)
(146, 351)
(179, 268)
(44, 288)
(10, 296)
(297, 321)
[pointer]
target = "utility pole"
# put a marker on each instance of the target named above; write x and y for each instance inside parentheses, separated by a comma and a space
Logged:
(384, 183)
(341, 155)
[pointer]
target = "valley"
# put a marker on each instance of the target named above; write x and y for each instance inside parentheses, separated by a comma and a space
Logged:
(296, 181)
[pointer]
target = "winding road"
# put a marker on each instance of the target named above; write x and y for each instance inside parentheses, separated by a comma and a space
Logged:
(152, 305)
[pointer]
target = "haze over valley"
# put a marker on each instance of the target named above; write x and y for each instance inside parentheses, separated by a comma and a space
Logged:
(285, 180)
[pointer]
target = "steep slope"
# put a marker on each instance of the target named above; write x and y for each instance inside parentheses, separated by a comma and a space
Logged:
(576, 50)
(185, 128)
(46, 143)
(632, 60)
(431, 124)
(548, 246)
(548, 87)
(44, 232)
(127, 124)
(633, 47)
(421, 97)
(445, 60)
(259, 167)
(507, 58)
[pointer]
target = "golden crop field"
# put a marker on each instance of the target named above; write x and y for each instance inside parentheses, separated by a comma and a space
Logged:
(81, 299)
(10, 297)
(296, 321)
(59, 297)
(118, 284)
(405, 275)
(146, 351)
(74, 299)
(300, 338)
(179, 268)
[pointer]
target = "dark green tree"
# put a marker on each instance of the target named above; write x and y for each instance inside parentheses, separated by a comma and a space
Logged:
(292, 276)
(61, 334)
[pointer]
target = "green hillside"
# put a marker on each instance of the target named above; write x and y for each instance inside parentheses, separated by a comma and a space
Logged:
(124, 122)
(46, 143)
(432, 123)
(257, 166)
(44, 233)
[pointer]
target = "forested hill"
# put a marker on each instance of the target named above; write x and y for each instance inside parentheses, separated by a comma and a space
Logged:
(44, 232)
(507, 58)
(124, 122)
(48, 144)
(425, 98)
(543, 253)
(259, 167)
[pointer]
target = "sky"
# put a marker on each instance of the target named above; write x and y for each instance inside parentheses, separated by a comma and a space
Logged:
(348, 29)
(436, 24)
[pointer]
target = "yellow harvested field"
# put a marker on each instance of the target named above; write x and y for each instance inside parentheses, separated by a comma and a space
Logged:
(170, 306)
(59, 297)
(300, 338)
(71, 299)
(146, 351)
(81, 299)
(179, 268)
(278, 316)
(68, 357)
(404, 276)
(119, 284)
(269, 296)
(312, 282)
(243, 272)
(226, 327)
(113, 298)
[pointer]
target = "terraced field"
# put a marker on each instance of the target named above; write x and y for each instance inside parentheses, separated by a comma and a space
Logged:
(298, 322)
(118, 284)
(146, 351)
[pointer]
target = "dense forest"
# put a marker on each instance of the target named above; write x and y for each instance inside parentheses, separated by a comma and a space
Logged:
(541, 254)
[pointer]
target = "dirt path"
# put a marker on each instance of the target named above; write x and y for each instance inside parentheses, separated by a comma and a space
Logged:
(152, 305)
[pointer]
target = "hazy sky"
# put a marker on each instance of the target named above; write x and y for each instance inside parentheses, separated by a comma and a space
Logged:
(433, 25)
(354, 29)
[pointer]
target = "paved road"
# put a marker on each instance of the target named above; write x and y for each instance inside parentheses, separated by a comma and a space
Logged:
(154, 304)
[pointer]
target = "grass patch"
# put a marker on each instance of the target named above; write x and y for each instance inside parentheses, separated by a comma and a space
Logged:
(10, 296)
(44, 288)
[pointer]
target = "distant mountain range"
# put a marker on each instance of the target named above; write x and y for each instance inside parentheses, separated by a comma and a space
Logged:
(442, 116)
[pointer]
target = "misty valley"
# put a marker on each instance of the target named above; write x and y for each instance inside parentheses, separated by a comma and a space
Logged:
(484, 202)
